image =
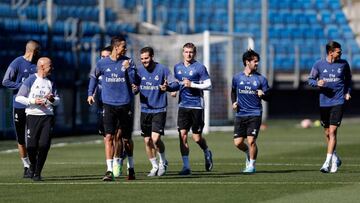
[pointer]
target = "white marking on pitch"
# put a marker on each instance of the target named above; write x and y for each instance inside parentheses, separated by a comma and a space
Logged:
(187, 183)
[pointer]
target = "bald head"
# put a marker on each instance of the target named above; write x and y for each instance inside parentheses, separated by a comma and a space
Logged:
(44, 67)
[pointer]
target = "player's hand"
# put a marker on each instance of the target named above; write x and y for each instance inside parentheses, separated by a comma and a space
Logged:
(126, 64)
(40, 101)
(134, 87)
(50, 97)
(187, 83)
(347, 96)
(260, 93)
(90, 100)
(173, 94)
(164, 86)
(235, 106)
(320, 83)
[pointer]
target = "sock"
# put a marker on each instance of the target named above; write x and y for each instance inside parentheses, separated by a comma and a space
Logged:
(162, 158)
(247, 155)
(186, 162)
(252, 163)
(26, 162)
(109, 163)
(116, 160)
(153, 162)
(130, 162)
(328, 158)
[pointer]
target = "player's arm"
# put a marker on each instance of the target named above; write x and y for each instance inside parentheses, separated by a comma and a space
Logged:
(204, 85)
(9, 78)
(23, 95)
(93, 82)
(170, 83)
(313, 79)
(265, 92)
(347, 82)
(53, 98)
(234, 95)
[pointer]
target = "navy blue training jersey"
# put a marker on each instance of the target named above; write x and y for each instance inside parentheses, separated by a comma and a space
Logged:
(249, 103)
(337, 77)
(116, 81)
(18, 70)
(152, 99)
(197, 73)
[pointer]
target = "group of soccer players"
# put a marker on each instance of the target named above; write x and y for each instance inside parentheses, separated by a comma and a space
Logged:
(115, 81)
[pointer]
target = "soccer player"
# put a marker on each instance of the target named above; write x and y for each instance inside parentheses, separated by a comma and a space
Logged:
(39, 95)
(248, 89)
(194, 78)
(118, 73)
(18, 70)
(118, 144)
(333, 78)
(154, 80)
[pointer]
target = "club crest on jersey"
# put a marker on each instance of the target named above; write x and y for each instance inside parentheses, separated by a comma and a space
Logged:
(123, 69)
(255, 83)
(156, 77)
(339, 70)
(191, 73)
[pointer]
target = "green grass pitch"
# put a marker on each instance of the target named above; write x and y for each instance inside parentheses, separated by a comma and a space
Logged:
(288, 166)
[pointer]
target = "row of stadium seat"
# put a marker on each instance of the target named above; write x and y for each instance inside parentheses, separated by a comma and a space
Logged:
(61, 12)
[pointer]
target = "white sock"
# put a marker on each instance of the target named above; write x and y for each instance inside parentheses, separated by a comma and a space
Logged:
(116, 160)
(109, 163)
(247, 155)
(130, 162)
(252, 163)
(26, 162)
(154, 163)
(186, 162)
(328, 158)
(162, 158)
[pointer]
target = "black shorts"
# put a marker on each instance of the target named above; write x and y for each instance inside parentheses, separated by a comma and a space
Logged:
(152, 122)
(331, 115)
(247, 126)
(191, 118)
(19, 117)
(38, 130)
(118, 117)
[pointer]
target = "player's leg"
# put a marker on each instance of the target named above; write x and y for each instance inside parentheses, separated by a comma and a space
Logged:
(110, 121)
(325, 122)
(32, 129)
(335, 122)
(184, 123)
(118, 151)
(197, 116)
(126, 125)
(240, 129)
(19, 118)
(253, 124)
(44, 144)
(157, 130)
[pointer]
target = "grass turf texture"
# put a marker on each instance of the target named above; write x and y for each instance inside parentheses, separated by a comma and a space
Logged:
(287, 171)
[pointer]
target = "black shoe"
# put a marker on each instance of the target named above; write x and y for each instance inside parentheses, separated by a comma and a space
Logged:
(28, 173)
(109, 176)
(131, 174)
(37, 178)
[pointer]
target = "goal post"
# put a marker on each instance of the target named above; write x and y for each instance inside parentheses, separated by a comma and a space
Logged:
(221, 53)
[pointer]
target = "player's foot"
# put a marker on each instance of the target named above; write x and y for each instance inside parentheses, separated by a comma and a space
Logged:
(162, 168)
(185, 171)
(335, 164)
(325, 167)
(29, 172)
(153, 172)
(249, 169)
(26, 173)
(109, 176)
(131, 174)
(208, 161)
(117, 170)
(37, 178)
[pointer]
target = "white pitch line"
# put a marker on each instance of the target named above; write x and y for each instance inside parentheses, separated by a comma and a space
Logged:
(185, 183)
